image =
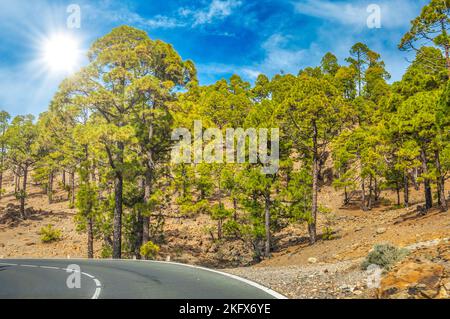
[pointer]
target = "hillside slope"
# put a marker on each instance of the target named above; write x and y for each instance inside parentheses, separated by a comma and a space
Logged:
(329, 269)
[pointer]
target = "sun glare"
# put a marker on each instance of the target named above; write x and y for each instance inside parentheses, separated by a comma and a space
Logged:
(61, 53)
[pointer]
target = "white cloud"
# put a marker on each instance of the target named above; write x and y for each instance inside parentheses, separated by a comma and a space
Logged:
(217, 10)
(121, 12)
(278, 56)
(394, 13)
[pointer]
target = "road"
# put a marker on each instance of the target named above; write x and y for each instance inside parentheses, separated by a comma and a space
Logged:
(121, 279)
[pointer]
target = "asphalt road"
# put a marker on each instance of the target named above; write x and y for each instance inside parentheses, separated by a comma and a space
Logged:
(121, 279)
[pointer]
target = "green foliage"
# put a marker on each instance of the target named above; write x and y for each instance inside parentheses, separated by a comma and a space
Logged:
(385, 256)
(149, 250)
(106, 252)
(50, 234)
(327, 233)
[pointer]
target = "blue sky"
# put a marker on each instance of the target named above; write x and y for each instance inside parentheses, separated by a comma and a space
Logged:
(222, 37)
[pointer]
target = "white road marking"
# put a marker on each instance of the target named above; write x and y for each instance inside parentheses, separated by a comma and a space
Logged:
(88, 275)
(49, 267)
(6, 264)
(29, 266)
(97, 293)
(248, 282)
(97, 282)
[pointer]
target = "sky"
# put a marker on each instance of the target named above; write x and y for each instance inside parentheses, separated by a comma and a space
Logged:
(222, 37)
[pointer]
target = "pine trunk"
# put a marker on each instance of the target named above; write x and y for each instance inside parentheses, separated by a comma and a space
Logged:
(440, 183)
(147, 196)
(72, 188)
(427, 186)
(50, 188)
(23, 195)
(90, 242)
(118, 199)
(315, 188)
(363, 195)
(369, 201)
(267, 226)
(406, 190)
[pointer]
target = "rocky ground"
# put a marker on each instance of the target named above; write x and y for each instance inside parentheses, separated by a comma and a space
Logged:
(425, 273)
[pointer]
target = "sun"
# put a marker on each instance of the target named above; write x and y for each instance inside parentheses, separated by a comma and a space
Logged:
(61, 53)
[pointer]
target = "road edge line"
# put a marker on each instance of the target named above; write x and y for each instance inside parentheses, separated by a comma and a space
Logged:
(267, 290)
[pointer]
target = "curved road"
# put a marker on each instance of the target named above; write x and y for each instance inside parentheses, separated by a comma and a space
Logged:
(124, 279)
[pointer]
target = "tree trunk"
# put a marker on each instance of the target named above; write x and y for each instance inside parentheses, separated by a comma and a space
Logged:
(139, 235)
(406, 190)
(314, 205)
(64, 178)
(50, 188)
(363, 194)
(369, 200)
(267, 225)
(219, 228)
(90, 242)
(440, 183)
(2, 164)
(235, 208)
(415, 177)
(118, 199)
(24, 192)
(345, 196)
(18, 179)
(397, 188)
(377, 191)
(427, 186)
(147, 195)
(72, 188)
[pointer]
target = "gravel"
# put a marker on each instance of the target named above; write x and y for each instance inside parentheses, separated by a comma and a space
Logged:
(323, 281)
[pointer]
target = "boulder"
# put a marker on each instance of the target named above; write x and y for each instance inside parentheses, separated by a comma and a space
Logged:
(412, 280)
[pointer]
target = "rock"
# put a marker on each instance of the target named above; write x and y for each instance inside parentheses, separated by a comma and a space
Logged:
(358, 292)
(346, 288)
(312, 260)
(446, 285)
(419, 280)
(381, 230)
(443, 294)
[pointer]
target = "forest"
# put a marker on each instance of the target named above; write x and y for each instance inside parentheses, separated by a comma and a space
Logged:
(106, 139)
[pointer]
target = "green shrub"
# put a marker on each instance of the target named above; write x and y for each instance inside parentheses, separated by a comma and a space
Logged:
(106, 252)
(385, 256)
(49, 234)
(327, 233)
(149, 250)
